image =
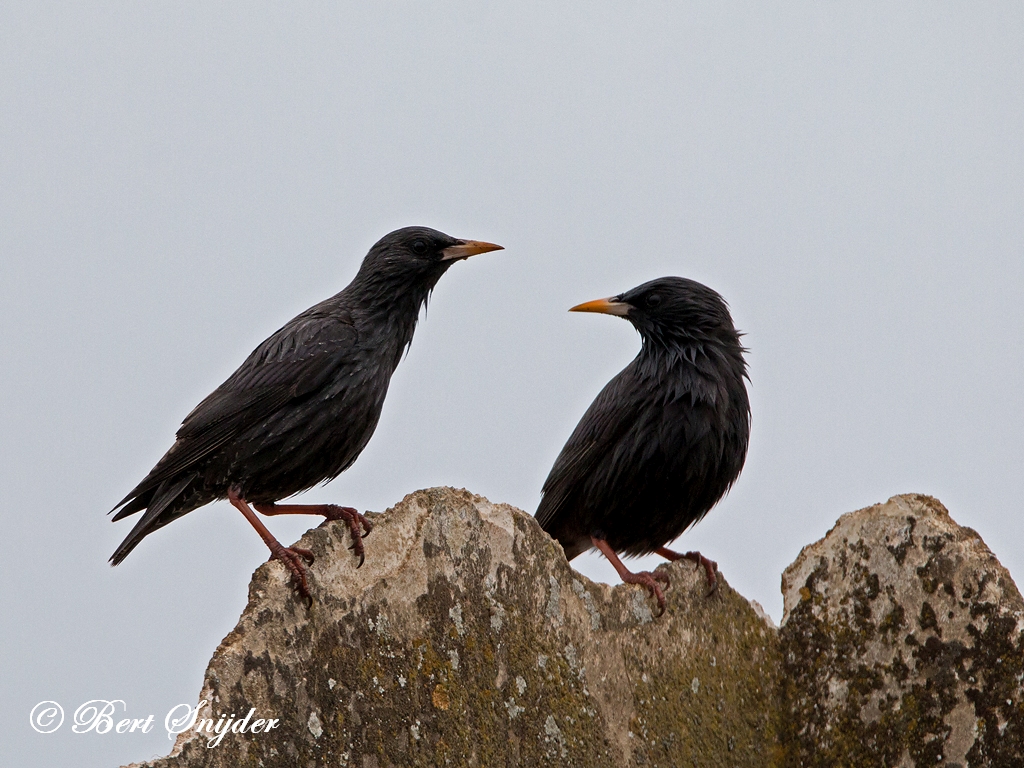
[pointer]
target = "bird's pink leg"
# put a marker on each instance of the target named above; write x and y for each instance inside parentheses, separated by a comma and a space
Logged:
(331, 512)
(710, 566)
(646, 578)
(292, 557)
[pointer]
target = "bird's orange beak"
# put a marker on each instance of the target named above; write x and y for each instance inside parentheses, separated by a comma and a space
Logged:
(468, 248)
(607, 306)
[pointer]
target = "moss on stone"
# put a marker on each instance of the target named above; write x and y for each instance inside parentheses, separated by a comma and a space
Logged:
(466, 640)
(865, 688)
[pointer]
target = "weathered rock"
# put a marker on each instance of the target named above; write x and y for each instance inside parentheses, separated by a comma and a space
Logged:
(466, 639)
(902, 645)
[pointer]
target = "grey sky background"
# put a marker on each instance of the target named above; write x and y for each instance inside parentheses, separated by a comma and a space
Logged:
(177, 181)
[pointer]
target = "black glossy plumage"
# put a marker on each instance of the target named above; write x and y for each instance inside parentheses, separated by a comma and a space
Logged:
(665, 438)
(304, 404)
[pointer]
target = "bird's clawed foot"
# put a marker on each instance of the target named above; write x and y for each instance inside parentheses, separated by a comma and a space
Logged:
(710, 566)
(649, 580)
(292, 557)
(358, 525)
(644, 578)
(295, 559)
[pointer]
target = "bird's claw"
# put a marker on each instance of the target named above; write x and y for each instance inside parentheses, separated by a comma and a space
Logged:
(650, 580)
(357, 545)
(293, 559)
(710, 568)
(699, 561)
(713, 589)
(358, 526)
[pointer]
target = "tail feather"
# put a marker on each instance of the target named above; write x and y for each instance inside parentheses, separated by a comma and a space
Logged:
(133, 505)
(160, 510)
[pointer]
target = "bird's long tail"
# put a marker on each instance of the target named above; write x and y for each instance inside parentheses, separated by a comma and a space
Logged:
(167, 502)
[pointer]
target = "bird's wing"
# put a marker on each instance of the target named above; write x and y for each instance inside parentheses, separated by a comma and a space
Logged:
(609, 417)
(297, 360)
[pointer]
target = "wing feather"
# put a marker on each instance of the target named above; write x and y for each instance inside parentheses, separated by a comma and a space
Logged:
(299, 359)
(607, 419)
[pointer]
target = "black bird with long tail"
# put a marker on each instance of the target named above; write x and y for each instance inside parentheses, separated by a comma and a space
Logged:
(303, 405)
(664, 440)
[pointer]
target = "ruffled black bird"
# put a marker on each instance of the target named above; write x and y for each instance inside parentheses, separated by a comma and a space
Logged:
(664, 440)
(303, 405)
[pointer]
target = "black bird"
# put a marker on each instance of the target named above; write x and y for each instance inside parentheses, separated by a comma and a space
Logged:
(664, 440)
(303, 405)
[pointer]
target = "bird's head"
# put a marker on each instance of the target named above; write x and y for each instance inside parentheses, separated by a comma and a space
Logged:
(404, 266)
(412, 251)
(670, 312)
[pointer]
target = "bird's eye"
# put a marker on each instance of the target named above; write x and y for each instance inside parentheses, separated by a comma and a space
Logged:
(419, 247)
(653, 300)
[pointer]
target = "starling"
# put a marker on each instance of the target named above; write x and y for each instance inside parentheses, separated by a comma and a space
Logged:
(303, 405)
(664, 440)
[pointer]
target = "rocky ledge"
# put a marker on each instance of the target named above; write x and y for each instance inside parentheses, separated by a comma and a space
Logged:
(466, 639)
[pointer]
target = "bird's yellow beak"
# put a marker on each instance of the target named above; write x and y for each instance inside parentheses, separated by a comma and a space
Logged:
(468, 248)
(607, 306)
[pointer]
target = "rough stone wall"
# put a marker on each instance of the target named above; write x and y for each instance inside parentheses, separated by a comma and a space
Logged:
(902, 645)
(467, 640)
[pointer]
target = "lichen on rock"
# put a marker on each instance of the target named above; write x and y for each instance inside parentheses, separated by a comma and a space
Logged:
(466, 639)
(902, 645)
